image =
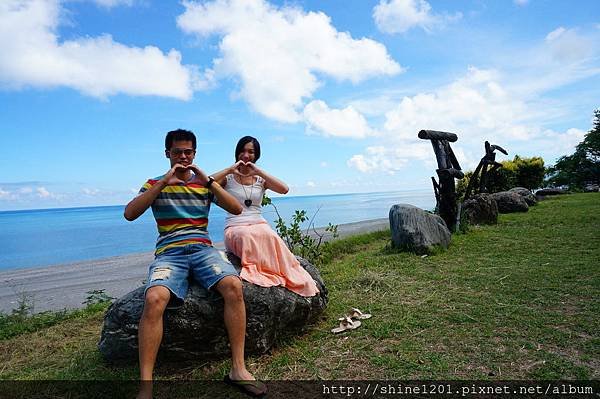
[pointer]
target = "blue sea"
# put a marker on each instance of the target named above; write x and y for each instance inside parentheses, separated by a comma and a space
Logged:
(35, 238)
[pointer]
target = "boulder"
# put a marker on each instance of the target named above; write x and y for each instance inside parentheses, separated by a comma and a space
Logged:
(416, 230)
(591, 188)
(509, 202)
(526, 194)
(549, 191)
(480, 209)
(196, 330)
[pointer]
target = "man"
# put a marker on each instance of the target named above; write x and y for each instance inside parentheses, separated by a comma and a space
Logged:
(180, 201)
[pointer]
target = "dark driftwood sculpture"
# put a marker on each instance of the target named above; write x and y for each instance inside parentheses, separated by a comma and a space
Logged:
(481, 172)
(448, 170)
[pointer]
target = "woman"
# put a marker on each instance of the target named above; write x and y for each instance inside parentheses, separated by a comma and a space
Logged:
(266, 260)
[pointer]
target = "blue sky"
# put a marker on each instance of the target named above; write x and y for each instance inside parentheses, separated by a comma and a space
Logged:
(336, 91)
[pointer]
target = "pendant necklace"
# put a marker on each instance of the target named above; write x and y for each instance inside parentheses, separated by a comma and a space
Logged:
(248, 200)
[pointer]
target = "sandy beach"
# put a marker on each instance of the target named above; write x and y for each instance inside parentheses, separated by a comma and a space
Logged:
(66, 286)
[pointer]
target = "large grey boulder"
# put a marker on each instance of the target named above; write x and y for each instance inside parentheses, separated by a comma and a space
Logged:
(526, 194)
(417, 231)
(509, 202)
(196, 330)
(540, 194)
(480, 209)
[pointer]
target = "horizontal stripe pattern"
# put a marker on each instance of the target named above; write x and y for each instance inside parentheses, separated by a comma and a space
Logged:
(181, 214)
(180, 243)
(183, 202)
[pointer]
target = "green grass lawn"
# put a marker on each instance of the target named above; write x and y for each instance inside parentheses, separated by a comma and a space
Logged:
(519, 300)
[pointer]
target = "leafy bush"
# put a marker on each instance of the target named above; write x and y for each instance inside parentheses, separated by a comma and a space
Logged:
(461, 186)
(302, 243)
(504, 178)
(529, 172)
(520, 172)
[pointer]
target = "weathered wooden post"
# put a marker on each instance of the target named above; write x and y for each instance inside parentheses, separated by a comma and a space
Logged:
(488, 159)
(448, 170)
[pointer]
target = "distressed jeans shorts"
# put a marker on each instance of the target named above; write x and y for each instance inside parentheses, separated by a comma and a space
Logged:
(174, 267)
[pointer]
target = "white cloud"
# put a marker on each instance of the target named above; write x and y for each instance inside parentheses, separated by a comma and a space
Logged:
(397, 16)
(563, 142)
(4, 195)
(276, 53)
(555, 34)
(389, 158)
(521, 2)
(477, 107)
(91, 191)
(566, 45)
(472, 104)
(42, 192)
(345, 122)
(324, 164)
(113, 3)
(311, 183)
(33, 55)
(565, 56)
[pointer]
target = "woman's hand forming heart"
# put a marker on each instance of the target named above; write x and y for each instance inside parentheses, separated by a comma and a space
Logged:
(245, 169)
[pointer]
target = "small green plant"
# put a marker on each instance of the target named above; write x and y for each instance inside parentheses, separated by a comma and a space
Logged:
(24, 307)
(22, 319)
(97, 296)
(309, 246)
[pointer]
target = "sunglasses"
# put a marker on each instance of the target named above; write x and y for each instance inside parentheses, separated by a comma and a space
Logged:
(178, 151)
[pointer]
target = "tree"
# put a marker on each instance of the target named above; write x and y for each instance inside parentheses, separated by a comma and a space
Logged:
(591, 142)
(583, 166)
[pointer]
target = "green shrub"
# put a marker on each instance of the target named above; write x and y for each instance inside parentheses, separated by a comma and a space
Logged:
(461, 186)
(529, 172)
(504, 178)
(301, 243)
(520, 172)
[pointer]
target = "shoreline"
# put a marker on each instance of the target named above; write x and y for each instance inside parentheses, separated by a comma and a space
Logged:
(66, 286)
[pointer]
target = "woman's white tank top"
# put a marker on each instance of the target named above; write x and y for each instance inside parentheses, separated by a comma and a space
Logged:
(250, 214)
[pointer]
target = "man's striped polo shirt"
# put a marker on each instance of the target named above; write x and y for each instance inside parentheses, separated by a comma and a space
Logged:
(181, 213)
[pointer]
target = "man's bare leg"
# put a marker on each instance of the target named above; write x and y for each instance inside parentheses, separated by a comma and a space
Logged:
(230, 288)
(150, 335)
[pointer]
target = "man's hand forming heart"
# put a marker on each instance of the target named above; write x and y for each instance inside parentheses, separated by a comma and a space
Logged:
(171, 178)
(199, 176)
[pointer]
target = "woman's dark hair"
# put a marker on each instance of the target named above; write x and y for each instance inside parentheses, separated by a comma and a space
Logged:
(179, 135)
(245, 140)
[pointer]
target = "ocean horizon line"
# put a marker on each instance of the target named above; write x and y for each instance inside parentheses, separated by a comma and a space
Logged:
(62, 235)
(278, 197)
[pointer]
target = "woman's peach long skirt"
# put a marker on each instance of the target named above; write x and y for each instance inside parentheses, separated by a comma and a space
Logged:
(266, 260)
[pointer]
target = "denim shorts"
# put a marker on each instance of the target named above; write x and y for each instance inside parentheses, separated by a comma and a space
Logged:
(174, 267)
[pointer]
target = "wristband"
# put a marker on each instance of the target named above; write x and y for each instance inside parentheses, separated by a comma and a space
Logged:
(209, 182)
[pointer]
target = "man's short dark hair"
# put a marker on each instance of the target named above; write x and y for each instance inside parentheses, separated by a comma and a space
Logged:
(179, 135)
(245, 140)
